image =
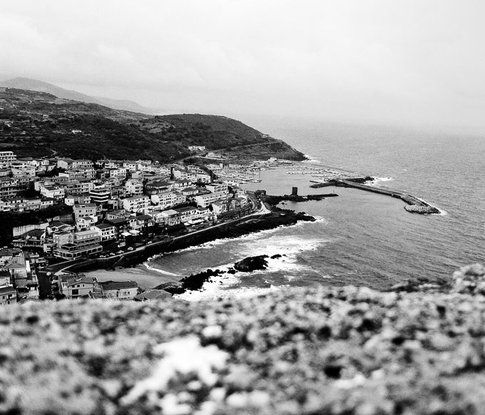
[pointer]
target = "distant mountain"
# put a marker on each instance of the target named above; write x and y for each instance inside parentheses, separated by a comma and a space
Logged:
(41, 86)
(38, 124)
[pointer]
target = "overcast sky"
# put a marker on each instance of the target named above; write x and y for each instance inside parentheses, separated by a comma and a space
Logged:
(405, 61)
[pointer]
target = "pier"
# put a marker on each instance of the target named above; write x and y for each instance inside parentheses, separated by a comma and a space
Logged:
(413, 204)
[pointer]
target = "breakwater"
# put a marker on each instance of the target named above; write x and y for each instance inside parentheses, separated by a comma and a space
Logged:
(413, 204)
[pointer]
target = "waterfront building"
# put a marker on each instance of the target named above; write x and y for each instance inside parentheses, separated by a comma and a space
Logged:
(169, 217)
(76, 286)
(205, 200)
(84, 243)
(217, 187)
(187, 213)
(121, 290)
(106, 231)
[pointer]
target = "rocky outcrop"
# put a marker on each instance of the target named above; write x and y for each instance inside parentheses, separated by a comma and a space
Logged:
(422, 209)
(330, 351)
(250, 264)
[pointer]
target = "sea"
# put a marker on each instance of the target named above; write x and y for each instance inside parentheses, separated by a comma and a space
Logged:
(359, 238)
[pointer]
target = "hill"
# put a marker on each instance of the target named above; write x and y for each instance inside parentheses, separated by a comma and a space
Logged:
(40, 124)
(336, 351)
(41, 86)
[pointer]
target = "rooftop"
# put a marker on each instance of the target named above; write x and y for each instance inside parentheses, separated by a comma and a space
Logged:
(117, 285)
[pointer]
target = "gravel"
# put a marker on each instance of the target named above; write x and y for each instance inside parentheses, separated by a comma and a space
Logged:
(328, 351)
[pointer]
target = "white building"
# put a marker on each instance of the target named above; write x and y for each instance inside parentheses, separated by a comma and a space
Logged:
(207, 199)
(6, 159)
(136, 203)
(52, 191)
(134, 187)
(167, 199)
(217, 187)
(105, 231)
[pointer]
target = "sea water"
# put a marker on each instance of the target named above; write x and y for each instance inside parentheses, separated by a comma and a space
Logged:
(359, 237)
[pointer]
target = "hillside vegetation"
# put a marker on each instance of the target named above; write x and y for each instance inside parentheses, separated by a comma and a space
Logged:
(40, 124)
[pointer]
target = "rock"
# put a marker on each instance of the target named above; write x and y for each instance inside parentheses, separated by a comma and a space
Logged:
(195, 281)
(250, 264)
(422, 209)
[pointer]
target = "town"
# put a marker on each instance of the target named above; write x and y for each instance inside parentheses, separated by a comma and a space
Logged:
(103, 209)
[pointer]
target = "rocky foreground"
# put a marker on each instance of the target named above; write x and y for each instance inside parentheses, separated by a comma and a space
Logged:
(332, 351)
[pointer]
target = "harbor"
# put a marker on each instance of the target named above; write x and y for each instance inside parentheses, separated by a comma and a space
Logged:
(413, 204)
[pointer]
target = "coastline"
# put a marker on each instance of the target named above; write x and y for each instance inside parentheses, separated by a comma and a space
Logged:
(269, 219)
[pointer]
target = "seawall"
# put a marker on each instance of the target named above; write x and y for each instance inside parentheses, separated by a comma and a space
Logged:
(277, 217)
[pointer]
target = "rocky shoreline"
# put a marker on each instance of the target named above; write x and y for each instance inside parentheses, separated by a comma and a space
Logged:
(274, 218)
(196, 281)
(336, 351)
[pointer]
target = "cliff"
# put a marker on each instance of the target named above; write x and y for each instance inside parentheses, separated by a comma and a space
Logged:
(38, 124)
(330, 350)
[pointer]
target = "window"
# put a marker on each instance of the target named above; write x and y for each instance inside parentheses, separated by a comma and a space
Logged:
(75, 292)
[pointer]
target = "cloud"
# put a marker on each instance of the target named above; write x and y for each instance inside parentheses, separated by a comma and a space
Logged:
(405, 60)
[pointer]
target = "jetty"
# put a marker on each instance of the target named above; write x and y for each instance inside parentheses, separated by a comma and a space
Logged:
(413, 204)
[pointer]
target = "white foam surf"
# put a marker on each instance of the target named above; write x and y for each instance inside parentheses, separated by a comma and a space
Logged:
(159, 270)
(238, 293)
(378, 180)
(248, 237)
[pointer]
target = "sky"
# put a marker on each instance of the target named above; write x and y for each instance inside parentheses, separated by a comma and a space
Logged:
(373, 61)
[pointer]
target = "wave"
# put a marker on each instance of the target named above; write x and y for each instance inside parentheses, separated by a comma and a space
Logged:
(248, 237)
(237, 293)
(311, 159)
(442, 211)
(160, 271)
(378, 180)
